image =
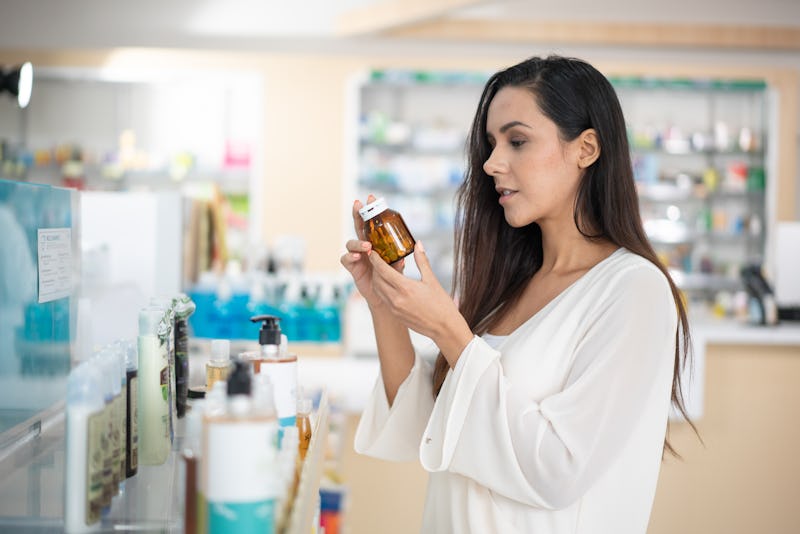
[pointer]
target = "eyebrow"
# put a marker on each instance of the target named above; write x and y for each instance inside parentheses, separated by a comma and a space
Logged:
(504, 128)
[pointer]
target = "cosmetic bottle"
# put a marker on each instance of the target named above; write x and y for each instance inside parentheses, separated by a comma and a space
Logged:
(131, 423)
(184, 307)
(215, 407)
(280, 368)
(168, 305)
(387, 231)
(118, 376)
(153, 387)
(219, 364)
(327, 314)
(84, 441)
(303, 426)
(239, 463)
(102, 362)
(259, 301)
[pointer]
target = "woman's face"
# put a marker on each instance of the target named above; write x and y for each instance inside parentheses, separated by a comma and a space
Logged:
(535, 172)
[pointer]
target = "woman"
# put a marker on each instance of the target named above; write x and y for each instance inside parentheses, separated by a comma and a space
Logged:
(547, 408)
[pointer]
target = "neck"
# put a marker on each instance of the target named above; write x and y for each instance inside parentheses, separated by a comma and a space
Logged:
(565, 249)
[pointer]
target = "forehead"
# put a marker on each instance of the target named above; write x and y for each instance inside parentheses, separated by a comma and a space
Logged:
(512, 103)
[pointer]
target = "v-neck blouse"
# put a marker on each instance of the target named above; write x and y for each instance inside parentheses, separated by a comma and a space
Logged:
(556, 428)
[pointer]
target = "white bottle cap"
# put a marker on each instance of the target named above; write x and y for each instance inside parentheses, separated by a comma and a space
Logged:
(149, 319)
(373, 208)
(220, 349)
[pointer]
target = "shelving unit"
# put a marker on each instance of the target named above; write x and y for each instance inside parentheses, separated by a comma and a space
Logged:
(699, 149)
(411, 150)
(32, 483)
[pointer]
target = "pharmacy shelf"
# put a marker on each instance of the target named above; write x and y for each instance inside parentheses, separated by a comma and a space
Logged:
(32, 484)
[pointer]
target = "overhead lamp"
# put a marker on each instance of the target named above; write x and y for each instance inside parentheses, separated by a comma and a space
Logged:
(19, 82)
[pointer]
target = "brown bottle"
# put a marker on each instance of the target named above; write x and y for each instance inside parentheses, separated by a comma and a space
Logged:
(387, 231)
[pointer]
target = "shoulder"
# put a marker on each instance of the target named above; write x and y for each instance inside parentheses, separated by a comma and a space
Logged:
(627, 273)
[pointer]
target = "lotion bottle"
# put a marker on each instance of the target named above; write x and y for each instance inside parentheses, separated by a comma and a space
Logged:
(239, 463)
(153, 389)
(84, 457)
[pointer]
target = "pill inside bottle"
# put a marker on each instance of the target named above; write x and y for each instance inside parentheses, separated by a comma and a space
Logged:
(387, 231)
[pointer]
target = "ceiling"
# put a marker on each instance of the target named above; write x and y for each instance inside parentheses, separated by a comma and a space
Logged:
(319, 24)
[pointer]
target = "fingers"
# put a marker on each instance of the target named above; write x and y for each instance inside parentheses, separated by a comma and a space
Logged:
(421, 259)
(358, 222)
(354, 245)
(386, 273)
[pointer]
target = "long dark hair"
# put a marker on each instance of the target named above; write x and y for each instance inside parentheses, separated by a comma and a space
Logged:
(494, 261)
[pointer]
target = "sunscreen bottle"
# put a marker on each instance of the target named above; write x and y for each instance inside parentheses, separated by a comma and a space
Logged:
(239, 463)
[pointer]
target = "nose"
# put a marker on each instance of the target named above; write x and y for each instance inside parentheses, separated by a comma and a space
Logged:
(495, 164)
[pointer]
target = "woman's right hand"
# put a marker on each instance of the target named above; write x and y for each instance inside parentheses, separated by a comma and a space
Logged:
(357, 263)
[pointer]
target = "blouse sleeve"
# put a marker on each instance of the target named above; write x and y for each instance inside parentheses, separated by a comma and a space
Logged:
(548, 453)
(394, 433)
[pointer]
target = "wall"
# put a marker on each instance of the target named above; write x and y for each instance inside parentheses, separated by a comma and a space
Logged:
(305, 155)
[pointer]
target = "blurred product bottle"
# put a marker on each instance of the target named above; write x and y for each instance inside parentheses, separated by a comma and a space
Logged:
(153, 387)
(219, 364)
(328, 314)
(83, 442)
(184, 307)
(240, 463)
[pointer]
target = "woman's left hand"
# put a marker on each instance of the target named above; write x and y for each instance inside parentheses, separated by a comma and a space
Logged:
(422, 305)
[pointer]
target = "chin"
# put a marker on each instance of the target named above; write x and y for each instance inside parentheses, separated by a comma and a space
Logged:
(515, 221)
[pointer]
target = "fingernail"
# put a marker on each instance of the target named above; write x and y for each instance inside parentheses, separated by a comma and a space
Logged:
(356, 255)
(419, 247)
(365, 245)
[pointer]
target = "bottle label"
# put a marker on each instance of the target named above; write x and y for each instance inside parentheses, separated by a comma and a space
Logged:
(181, 366)
(256, 517)
(122, 431)
(132, 455)
(94, 467)
(108, 454)
(164, 381)
(283, 375)
(237, 469)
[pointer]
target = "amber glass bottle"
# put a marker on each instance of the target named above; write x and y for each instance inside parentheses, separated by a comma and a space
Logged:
(387, 231)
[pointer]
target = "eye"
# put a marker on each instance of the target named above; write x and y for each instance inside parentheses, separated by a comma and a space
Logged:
(517, 142)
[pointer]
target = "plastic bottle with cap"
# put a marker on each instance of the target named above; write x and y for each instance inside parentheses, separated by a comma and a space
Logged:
(219, 364)
(83, 464)
(168, 305)
(184, 307)
(131, 422)
(102, 362)
(239, 462)
(153, 388)
(281, 368)
(387, 231)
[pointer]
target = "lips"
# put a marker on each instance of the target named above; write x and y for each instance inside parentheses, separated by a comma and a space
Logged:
(504, 193)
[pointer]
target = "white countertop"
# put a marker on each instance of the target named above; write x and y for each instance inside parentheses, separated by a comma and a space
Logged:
(730, 332)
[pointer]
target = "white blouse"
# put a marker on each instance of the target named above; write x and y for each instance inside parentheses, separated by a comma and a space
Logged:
(559, 429)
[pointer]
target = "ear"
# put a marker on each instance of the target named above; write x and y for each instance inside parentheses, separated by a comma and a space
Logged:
(589, 148)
